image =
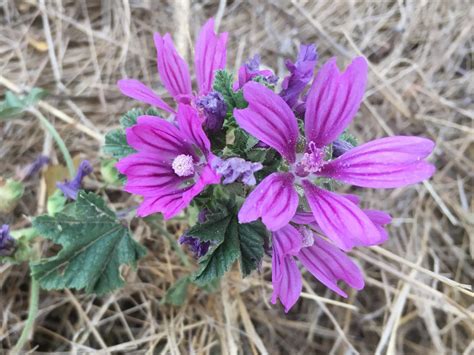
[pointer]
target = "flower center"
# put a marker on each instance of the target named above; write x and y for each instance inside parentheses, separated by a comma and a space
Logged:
(183, 165)
(312, 161)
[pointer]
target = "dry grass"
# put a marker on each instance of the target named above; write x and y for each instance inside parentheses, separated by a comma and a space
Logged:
(421, 83)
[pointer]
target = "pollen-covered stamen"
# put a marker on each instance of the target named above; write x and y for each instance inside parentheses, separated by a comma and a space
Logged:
(183, 165)
(312, 161)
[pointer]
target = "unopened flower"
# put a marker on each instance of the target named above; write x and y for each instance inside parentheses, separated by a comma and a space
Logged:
(33, 168)
(7, 242)
(11, 192)
(331, 104)
(215, 110)
(301, 73)
(198, 247)
(210, 56)
(250, 70)
(171, 165)
(234, 169)
(71, 188)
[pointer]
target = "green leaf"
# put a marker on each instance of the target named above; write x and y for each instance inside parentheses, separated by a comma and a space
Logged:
(251, 237)
(223, 83)
(116, 144)
(176, 294)
(221, 257)
(129, 119)
(234, 241)
(14, 105)
(213, 229)
(94, 247)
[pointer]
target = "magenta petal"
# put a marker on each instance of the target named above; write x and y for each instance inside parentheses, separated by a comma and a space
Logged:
(206, 177)
(169, 203)
(174, 71)
(269, 119)
(139, 91)
(147, 175)
(157, 136)
(380, 219)
(333, 100)
(286, 281)
(340, 219)
(210, 55)
(288, 240)
(274, 199)
(329, 265)
(190, 125)
(383, 163)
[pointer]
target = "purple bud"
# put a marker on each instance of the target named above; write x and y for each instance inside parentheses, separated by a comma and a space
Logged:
(233, 169)
(198, 247)
(301, 73)
(250, 70)
(339, 147)
(71, 188)
(7, 242)
(215, 110)
(33, 168)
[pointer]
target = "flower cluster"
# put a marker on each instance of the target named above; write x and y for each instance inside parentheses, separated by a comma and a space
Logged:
(276, 149)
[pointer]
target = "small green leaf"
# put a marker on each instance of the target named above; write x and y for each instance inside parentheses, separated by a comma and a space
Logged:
(129, 119)
(213, 229)
(116, 144)
(14, 105)
(235, 240)
(223, 84)
(176, 294)
(94, 247)
(251, 237)
(220, 258)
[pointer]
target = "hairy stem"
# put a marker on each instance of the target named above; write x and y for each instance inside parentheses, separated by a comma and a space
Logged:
(57, 138)
(30, 321)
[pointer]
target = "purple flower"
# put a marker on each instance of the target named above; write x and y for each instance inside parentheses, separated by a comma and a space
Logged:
(301, 73)
(340, 147)
(250, 70)
(7, 242)
(198, 247)
(172, 165)
(324, 260)
(215, 110)
(33, 168)
(210, 56)
(332, 102)
(71, 188)
(234, 169)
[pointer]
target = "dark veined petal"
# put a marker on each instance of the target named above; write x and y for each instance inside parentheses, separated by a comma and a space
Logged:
(274, 199)
(170, 203)
(286, 281)
(210, 55)
(190, 126)
(174, 71)
(157, 136)
(333, 100)
(329, 265)
(269, 119)
(341, 220)
(383, 163)
(139, 91)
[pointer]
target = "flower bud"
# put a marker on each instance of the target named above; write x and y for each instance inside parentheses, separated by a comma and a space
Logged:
(109, 172)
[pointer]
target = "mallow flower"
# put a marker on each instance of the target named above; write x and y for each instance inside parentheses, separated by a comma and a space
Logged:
(71, 188)
(172, 163)
(331, 104)
(302, 240)
(210, 56)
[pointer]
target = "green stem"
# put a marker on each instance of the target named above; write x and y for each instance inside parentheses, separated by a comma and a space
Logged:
(59, 141)
(30, 321)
